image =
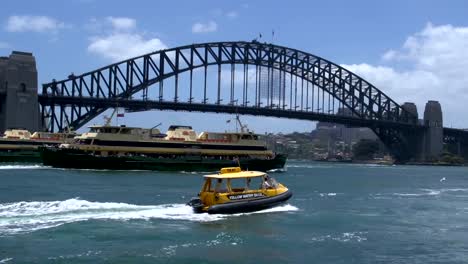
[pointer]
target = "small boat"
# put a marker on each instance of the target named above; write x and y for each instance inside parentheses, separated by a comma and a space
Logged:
(231, 191)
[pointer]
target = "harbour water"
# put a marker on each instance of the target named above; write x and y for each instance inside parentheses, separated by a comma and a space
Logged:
(340, 213)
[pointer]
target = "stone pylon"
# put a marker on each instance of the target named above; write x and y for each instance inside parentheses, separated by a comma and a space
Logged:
(19, 107)
(434, 133)
(413, 137)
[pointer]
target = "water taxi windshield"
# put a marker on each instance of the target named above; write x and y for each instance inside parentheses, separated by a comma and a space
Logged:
(233, 185)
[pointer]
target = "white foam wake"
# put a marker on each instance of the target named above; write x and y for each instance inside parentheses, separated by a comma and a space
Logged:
(23, 217)
(22, 167)
(433, 192)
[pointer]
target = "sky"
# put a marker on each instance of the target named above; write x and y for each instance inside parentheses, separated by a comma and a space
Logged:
(412, 50)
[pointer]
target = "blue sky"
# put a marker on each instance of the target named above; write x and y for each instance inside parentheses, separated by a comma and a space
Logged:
(412, 50)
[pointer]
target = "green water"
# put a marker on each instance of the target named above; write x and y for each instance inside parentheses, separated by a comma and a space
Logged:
(340, 213)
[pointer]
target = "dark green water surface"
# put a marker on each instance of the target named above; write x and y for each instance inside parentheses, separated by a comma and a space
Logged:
(340, 213)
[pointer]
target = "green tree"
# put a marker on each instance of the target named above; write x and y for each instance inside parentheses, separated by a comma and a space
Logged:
(365, 149)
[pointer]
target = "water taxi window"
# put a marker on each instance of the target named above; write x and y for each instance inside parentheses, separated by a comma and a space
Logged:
(246, 137)
(246, 184)
(220, 185)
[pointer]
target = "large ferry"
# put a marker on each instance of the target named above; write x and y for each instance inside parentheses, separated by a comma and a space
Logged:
(180, 149)
(19, 145)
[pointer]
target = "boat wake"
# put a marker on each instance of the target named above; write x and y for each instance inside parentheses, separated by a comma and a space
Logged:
(24, 217)
(461, 192)
(309, 166)
(23, 167)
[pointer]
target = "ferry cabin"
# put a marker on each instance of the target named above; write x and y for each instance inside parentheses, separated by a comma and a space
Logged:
(179, 140)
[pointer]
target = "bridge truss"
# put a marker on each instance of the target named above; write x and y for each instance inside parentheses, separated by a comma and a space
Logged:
(230, 77)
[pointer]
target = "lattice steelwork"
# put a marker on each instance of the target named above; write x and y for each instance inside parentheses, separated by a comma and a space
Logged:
(230, 77)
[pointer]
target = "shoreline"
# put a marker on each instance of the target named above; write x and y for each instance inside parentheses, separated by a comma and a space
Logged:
(389, 163)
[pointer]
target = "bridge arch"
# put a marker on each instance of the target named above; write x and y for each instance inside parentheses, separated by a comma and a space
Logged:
(268, 86)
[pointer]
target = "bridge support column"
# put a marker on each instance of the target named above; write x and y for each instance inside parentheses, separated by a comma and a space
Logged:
(19, 106)
(412, 138)
(432, 141)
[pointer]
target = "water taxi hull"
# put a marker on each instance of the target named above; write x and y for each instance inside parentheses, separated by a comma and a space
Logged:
(246, 206)
(77, 159)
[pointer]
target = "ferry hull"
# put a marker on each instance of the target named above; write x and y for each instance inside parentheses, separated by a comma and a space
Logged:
(81, 160)
(23, 156)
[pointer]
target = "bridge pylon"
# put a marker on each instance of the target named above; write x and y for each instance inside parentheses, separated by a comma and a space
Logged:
(434, 132)
(19, 107)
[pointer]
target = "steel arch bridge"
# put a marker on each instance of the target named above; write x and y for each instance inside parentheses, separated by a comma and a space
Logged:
(229, 77)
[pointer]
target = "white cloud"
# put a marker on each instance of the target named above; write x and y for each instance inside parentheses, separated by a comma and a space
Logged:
(389, 55)
(121, 40)
(437, 64)
(33, 24)
(123, 46)
(122, 23)
(232, 14)
(218, 12)
(4, 45)
(211, 26)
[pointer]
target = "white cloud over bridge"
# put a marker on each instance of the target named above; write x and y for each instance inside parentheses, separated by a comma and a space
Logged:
(120, 39)
(430, 65)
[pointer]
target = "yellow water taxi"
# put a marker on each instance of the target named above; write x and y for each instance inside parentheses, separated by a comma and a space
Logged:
(235, 191)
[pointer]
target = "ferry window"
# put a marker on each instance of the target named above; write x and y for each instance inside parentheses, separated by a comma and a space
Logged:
(216, 136)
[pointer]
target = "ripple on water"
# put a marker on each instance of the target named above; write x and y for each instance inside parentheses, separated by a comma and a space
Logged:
(88, 253)
(343, 237)
(222, 238)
